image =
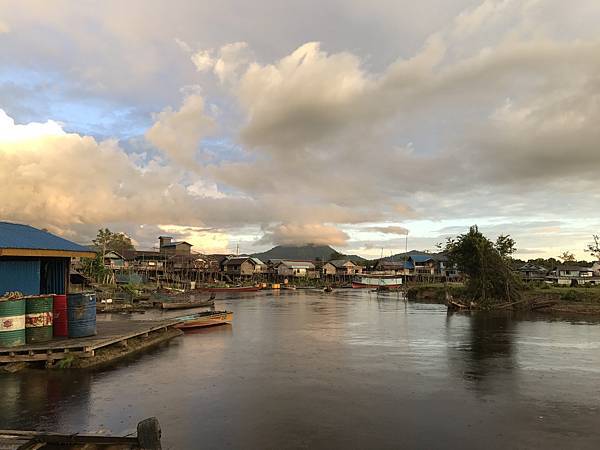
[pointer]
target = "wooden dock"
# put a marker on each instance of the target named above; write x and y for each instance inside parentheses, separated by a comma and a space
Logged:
(113, 332)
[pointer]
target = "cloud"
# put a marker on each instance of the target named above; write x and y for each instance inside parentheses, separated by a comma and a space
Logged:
(225, 63)
(98, 183)
(391, 229)
(486, 109)
(300, 234)
(178, 133)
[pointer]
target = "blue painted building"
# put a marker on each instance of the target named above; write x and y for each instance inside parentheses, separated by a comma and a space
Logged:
(34, 261)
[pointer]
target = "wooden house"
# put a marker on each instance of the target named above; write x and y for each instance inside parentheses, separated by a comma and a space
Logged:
(572, 275)
(341, 267)
(244, 266)
(299, 269)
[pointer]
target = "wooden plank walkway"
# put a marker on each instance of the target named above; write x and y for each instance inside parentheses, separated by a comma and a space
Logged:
(109, 332)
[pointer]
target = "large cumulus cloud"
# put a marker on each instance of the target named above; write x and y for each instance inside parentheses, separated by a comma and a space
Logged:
(490, 113)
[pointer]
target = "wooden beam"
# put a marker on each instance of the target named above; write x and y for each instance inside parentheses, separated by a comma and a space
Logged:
(29, 252)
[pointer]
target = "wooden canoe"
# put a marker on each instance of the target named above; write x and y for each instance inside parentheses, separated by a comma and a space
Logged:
(202, 320)
(187, 305)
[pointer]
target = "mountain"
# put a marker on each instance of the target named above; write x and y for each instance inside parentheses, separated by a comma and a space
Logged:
(308, 252)
(403, 256)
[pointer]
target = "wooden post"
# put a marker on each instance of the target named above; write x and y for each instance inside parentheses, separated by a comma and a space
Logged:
(149, 433)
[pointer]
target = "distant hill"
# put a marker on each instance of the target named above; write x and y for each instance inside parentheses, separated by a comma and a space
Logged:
(308, 252)
(403, 256)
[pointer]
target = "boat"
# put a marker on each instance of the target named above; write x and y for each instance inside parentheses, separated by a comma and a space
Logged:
(377, 281)
(231, 289)
(328, 289)
(187, 305)
(288, 287)
(148, 437)
(205, 319)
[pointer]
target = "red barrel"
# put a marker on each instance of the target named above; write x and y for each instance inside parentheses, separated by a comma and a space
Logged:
(59, 311)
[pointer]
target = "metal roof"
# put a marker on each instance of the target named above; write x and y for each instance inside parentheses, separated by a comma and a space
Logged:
(339, 263)
(298, 264)
(422, 258)
(174, 244)
(17, 236)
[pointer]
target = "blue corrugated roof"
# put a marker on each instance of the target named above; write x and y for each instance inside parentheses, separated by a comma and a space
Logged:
(14, 235)
(421, 258)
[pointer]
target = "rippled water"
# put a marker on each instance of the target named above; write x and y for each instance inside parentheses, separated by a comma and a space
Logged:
(351, 369)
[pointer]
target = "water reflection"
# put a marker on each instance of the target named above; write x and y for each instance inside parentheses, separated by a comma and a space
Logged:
(46, 398)
(486, 358)
(351, 369)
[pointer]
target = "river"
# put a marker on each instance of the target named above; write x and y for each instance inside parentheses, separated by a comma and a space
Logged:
(352, 370)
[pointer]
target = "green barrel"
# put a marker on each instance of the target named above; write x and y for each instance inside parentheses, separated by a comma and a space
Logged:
(12, 322)
(38, 319)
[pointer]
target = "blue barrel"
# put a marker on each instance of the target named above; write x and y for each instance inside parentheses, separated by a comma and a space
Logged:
(81, 313)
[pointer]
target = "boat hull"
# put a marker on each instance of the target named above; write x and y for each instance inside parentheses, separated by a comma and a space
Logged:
(186, 305)
(357, 285)
(212, 320)
(232, 289)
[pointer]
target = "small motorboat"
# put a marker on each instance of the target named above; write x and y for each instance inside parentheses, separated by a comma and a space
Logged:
(328, 289)
(187, 305)
(205, 319)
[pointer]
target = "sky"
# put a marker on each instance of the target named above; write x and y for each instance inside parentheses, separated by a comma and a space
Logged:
(358, 124)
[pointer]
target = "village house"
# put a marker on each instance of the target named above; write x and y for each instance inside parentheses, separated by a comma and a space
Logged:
(572, 275)
(300, 269)
(114, 260)
(386, 267)
(169, 247)
(532, 272)
(34, 261)
(422, 264)
(245, 266)
(341, 267)
(430, 265)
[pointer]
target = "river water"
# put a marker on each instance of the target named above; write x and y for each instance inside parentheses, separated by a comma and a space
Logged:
(352, 370)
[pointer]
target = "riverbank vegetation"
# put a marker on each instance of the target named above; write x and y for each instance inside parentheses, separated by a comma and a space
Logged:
(540, 297)
(489, 277)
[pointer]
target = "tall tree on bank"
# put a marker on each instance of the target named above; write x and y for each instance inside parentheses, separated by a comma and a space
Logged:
(594, 247)
(567, 257)
(487, 266)
(107, 241)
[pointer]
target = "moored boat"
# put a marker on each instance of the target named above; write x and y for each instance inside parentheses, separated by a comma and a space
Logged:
(187, 305)
(231, 289)
(205, 319)
(377, 281)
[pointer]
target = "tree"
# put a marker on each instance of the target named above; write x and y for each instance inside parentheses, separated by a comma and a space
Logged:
(94, 268)
(107, 241)
(567, 257)
(489, 275)
(505, 245)
(594, 247)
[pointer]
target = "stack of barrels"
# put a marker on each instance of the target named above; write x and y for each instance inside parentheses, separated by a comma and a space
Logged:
(37, 319)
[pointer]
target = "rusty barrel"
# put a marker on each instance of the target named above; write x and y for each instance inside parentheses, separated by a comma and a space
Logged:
(59, 316)
(38, 319)
(12, 322)
(81, 314)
